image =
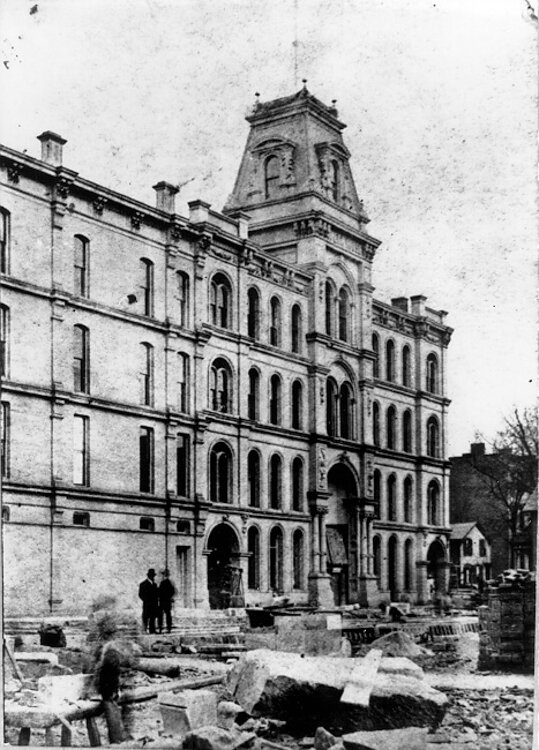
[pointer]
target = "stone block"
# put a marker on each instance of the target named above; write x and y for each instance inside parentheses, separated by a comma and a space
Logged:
(55, 690)
(324, 740)
(411, 738)
(226, 714)
(216, 738)
(185, 711)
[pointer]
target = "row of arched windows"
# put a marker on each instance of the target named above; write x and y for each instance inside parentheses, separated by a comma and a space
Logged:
(402, 439)
(398, 557)
(400, 507)
(399, 370)
(275, 578)
(275, 336)
(221, 479)
(339, 409)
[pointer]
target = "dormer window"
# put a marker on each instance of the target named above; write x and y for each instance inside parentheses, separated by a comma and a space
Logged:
(271, 176)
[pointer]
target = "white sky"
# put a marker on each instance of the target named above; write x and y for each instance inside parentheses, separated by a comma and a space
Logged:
(440, 102)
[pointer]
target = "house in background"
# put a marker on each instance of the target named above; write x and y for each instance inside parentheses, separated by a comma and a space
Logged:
(526, 538)
(470, 555)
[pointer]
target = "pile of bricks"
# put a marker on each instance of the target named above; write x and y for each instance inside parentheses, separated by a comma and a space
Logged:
(507, 627)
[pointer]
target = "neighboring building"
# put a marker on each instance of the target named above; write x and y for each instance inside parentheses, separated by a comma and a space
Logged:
(470, 556)
(472, 499)
(526, 540)
(218, 394)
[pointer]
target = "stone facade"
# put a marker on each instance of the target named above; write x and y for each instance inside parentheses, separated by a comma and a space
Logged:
(219, 394)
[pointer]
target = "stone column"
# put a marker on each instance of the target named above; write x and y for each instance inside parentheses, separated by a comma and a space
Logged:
(320, 593)
(445, 571)
(200, 555)
(422, 592)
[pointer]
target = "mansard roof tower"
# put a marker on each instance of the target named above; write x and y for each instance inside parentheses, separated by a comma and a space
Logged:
(295, 178)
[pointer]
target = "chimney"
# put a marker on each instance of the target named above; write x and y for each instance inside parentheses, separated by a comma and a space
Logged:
(165, 196)
(198, 211)
(51, 148)
(401, 303)
(243, 223)
(477, 449)
(418, 305)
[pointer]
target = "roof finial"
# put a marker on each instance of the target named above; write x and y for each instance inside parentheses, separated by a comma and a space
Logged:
(304, 82)
(333, 108)
(257, 100)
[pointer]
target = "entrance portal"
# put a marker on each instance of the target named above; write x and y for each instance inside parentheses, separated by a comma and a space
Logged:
(435, 567)
(225, 586)
(341, 534)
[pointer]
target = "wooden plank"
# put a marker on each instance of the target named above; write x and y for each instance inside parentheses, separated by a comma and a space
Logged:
(16, 667)
(93, 732)
(357, 690)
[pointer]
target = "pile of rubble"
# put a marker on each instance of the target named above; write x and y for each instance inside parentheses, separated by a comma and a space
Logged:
(512, 578)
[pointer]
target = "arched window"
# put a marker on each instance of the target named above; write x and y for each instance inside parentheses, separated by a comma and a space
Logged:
(408, 563)
(297, 405)
(253, 564)
(5, 340)
(407, 492)
(376, 423)
(433, 503)
(275, 400)
(376, 556)
(390, 361)
(253, 478)
(297, 329)
(346, 405)
(276, 481)
(391, 498)
(146, 286)
(432, 373)
(271, 176)
(253, 313)
(81, 359)
(183, 382)
(276, 560)
(406, 366)
(377, 491)
(433, 438)
(146, 374)
(221, 301)
(335, 180)
(182, 280)
(391, 422)
(253, 397)
(407, 431)
(376, 352)
(297, 484)
(4, 240)
(344, 314)
(331, 406)
(81, 256)
(220, 386)
(298, 555)
(220, 474)
(275, 322)
(330, 307)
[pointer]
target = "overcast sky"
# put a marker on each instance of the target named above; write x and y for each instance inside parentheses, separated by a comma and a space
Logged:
(440, 103)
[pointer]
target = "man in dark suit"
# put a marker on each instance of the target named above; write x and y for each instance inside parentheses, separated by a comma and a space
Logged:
(166, 595)
(149, 594)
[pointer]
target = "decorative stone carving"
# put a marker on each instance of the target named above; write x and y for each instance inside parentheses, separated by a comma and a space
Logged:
(367, 251)
(63, 188)
(136, 219)
(175, 232)
(13, 171)
(220, 253)
(99, 204)
(287, 163)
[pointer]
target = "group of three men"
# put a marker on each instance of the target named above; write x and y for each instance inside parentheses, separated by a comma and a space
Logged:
(156, 601)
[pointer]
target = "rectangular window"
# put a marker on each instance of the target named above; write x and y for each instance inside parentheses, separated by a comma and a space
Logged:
(146, 286)
(4, 241)
(468, 548)
(183, 382)
(482, 548)
(5, 428)
(80, 450)
(146, 524)
(146, 374)
(81, 359)
(182, 465)
(146, 459)
(4, 340)
(80, 265)
(80, 518)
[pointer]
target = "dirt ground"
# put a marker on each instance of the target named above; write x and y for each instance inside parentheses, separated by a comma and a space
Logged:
(497, 717)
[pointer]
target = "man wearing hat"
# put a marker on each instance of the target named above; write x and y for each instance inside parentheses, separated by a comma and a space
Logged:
(149, 594)
(166, 595)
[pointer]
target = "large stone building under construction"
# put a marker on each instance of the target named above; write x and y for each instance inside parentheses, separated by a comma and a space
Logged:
(218, 393)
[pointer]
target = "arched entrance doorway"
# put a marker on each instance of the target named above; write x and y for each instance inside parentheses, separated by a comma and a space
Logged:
(392, 562)
(225, 586)
(435, 568)
(341, 534)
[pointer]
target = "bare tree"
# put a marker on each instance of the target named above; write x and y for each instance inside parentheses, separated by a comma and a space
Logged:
(510, 473)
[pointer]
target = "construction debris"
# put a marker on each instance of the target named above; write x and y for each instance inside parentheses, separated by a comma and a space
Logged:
(411, 738)
(301, 690)
(398, 643)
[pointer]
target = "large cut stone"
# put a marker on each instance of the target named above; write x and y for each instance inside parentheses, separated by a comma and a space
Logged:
(306, 691)
(413, 738)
